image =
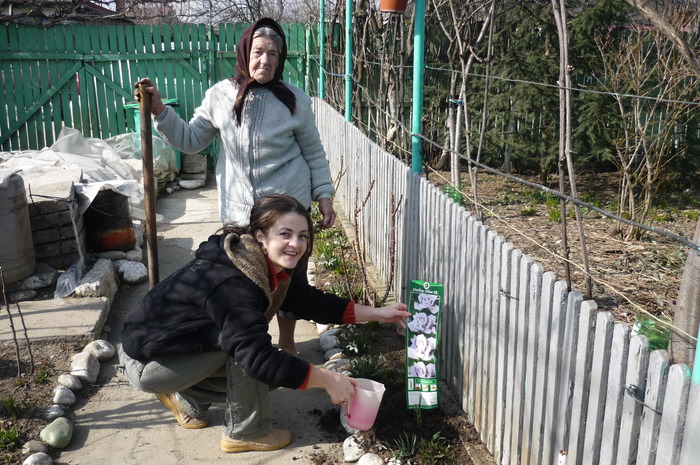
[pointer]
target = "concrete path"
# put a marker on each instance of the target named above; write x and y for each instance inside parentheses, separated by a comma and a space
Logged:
(118, 425)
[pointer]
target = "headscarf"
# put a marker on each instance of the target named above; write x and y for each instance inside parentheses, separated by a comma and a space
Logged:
(245, 81)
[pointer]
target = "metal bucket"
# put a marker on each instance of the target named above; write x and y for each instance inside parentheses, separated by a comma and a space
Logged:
(17, 252)
(108, 222)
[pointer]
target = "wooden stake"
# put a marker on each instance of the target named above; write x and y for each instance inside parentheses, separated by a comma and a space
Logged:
(149, 186)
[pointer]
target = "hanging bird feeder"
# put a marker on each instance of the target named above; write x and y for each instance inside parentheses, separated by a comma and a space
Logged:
(393, 6)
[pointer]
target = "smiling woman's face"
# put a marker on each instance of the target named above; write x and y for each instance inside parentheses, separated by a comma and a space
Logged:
(264, 58)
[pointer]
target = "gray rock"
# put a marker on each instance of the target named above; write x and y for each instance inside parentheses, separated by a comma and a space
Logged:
(71, 382)
(193, 163)
(44, 275)
(101, 349)
(53, 412)
(133, 272)
(333, 332)
(370, 459)
(335, 352)
(21, 296)
(85, 367)
(328, 342)
(100, 281)
(63, 396)
(352, 449)
(192, 184)
(112, 255)
(138, 232)
(58, 433)
(135, 255)
(34, 446)
(40, 458)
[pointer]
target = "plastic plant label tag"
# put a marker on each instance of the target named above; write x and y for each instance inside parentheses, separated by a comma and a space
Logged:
(422, 334)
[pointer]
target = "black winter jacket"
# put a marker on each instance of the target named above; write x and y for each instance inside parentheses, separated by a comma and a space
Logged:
(222, 300)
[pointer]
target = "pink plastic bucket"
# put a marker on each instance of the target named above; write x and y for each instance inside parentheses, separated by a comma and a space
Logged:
(362, 409)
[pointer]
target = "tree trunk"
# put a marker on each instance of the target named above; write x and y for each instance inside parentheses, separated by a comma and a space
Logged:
(687, 312)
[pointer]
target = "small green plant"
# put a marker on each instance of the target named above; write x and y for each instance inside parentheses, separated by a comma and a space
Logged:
(663, 216)
(405, 446)
(554, 213)
(43, 375)
(18, 409)
(355, 340)
(693, 215)
(506, 198)
(432, 451)
(530, 211)
(368, 366)
(327, 256)
(9, 438)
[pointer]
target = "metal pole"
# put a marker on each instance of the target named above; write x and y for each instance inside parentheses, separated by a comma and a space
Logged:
(322, 50)
(418, 67)
(348, 60)
(149, 186)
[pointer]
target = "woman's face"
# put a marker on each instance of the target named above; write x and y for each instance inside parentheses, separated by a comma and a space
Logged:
(286, 241)
(264, 58)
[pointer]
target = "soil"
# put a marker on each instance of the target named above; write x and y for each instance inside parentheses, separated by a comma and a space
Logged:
(630, 277)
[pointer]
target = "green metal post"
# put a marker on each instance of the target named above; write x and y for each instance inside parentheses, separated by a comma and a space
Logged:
(348, 60)
(322, 50)
(418, 68)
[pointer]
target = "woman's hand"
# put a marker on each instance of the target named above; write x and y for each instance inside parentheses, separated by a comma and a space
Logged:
(393, 313)
(325, 206)
(157, 105)
(339, 387)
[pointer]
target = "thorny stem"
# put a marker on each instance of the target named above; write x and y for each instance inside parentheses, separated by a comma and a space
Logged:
(392, 246)
(359, 251)
(12, 325)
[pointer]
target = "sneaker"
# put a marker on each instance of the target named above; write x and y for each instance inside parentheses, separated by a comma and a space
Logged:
(275, 439)
(183, 418)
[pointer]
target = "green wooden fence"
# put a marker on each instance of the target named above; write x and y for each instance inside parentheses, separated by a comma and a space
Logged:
(82, 76)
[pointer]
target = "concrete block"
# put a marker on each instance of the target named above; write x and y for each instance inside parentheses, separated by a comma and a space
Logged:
(193, 163)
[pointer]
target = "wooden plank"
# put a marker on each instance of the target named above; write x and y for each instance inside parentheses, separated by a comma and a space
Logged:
(637, 366)
(7, 107)
(19, 92)
(616, 388)
(567, 372)
(65, 96)
(599, 385)
(484, 325)
(488, 433)
(520, 376)
(511, 293)
(542, 373)
(582, 381)
(476, 255)
(502, 352)
(690, 451)
(674, 415)
(31, 73)
(554, 361)
(534, 290)
(653, 401)
(43, 78)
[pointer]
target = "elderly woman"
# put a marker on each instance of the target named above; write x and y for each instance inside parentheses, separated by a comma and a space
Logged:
(201, 335)
(269, 140)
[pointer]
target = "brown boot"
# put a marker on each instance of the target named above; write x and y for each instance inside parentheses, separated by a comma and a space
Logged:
(183, 418)
(275, 439)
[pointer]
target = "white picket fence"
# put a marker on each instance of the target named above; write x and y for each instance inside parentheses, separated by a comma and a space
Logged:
(538, 370)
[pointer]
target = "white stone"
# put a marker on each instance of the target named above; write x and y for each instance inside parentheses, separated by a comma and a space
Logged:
(63, 396)
(352, 449)
(328, 342)
(58, 433)
(321, 328)
(370, 459)
(192, 184)
(34, 446)
(100, 281)
(53, 412)
(337, 356)
(71, 382)
(337, 365)
(40, 458)
(336, 352)
(133, 272)
(101, 349)
(44, 275)
(332, 332)
(85, 367)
